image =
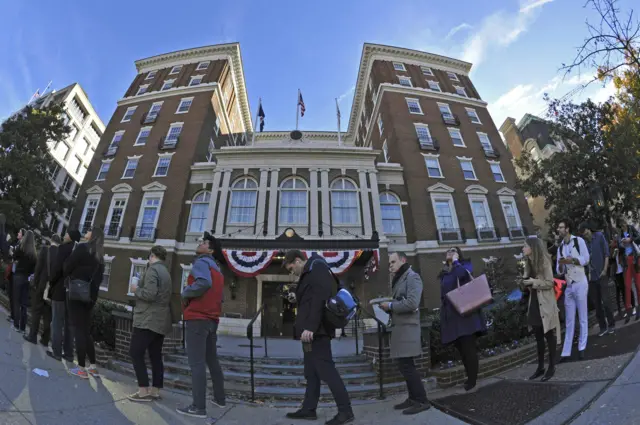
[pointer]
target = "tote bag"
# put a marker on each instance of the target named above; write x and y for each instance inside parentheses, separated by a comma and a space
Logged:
(469, 298)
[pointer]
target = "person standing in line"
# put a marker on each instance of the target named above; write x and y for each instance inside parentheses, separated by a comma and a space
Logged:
(406, 333)
(4, 250)
(628, 237)
(456, 329)
(12, 252)
(61, 338)
(24, 258)
(86, 263)
(151, 323)
(202, 307)
(41, 309)
(572, 262)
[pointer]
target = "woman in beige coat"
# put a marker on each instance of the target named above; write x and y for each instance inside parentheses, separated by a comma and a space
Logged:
(542, 315)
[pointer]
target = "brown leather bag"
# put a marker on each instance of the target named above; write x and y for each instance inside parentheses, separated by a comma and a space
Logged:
(472, 296)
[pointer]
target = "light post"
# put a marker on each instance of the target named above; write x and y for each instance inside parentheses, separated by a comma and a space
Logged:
(597, 196)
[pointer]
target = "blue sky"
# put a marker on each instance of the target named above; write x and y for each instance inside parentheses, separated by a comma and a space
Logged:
(516, 46)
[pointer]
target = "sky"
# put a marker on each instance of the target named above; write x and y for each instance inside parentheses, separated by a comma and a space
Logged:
(516, 46)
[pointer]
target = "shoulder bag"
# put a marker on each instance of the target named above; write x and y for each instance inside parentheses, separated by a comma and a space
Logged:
(80, 290)
(471, 297)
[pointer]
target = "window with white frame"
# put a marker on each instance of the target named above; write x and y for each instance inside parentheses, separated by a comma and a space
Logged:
(391, 211)
(385, 151)
(173, 133)
(148, 218)
(433, 166)
(434, 85)
(167, 84)
(106, 275)
(84, 147)
(198, 214)
(497, 172)
(185, 104)
(461, 91)
(473, 116)
(510, 213)
(115, 142)
(467, 169)
(452, 76)
(143, 136)
(89, 212)
(104, 170)
(162, 166)
(129, 114)
(186, 270)
(380, 124)
(151, 75)
(138, 267)
(130, 168)
(294, 200)
(414, 106)
(67, 213)
(202, 65)
(426, 71)
(115, 215)
(423, 133)
(142, 89)
(67, 184)
(74, 164)
(445, 111)
(405, 81)
(195, 80)
(344, 203)
(399, 66)
(485, 142)
(456, 136)
(153, 112)
(444, 214)
(176, 69)
(62, 150)
(480, 213)
(244, 195)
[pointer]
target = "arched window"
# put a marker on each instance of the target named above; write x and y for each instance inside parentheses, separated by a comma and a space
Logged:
(199, 208)
(293, 202)
(344, 202)
(244, 195)
(391, 214)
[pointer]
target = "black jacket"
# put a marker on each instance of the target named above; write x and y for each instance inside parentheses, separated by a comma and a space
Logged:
(25, 265)
(57, 289)
(42, 272)
(83, 265)
(312, 293)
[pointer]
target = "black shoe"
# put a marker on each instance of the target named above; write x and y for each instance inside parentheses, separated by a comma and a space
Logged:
(538, 373)
(468, 386)
(563, 359)
(550, 372)
(611, 330)
(404, 405)
(303, 414)
(603, 332)
(341, 418)
(417, 408)
(43, 342)
(627, 319)
(53, 356)
(581, 355)
(68, 358)
(192, 411)
(29, 339)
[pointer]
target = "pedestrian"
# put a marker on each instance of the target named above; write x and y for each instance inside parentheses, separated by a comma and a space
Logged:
(61, 338)
(86, 264)
(4, 250)
(41, 309)
(151, 323)
(406, 333)
(202, 307)
(456, 329)
(24, 260)
(542, 309)
(315, 281)
(12, 251)
(628, 243)
(573, 263)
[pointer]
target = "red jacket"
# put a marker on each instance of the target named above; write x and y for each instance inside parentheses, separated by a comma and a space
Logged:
(203, 293)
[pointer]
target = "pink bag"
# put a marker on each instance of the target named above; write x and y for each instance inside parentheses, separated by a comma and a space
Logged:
(468, 298)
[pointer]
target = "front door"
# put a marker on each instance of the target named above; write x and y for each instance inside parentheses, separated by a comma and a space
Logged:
(279, 313)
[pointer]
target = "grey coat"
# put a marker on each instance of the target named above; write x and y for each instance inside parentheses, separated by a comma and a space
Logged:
(153, 300)
(406, 334)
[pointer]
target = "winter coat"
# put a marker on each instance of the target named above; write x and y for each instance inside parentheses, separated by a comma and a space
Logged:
(46, 261)
(406, 334)
(312, 293)
(25, 265)
(544, 284)
(203, 293)
(153, 299)
(452, 324)
(57, 289)
(83, 265)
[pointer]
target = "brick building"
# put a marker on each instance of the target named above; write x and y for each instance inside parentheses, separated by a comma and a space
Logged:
(420, 168)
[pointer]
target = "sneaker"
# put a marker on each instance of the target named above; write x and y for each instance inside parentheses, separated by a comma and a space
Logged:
(28, 338)
(417, 408)
(53, 356)
(68, 358)
(581, 355)
(603, 332)
(220, 404)
(140, 398)
(81, 373)
(93, 371)
(469, 387)
(550, 372)
(192, 411)
(611, 330)
(303, 414)
(341, 418)
(404, 405)
(43, 342)
(13, 328)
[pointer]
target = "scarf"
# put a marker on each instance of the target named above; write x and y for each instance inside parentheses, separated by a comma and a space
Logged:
(399, 273)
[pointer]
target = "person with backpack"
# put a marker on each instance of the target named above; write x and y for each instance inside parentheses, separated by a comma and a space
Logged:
(315, 281)
(406, 333)
(628, 242)
(573, 262)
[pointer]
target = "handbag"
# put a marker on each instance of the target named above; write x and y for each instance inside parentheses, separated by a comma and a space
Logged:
(78, 289)
(474, 295)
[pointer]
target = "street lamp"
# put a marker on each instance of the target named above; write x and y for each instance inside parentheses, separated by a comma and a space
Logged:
(597, 197)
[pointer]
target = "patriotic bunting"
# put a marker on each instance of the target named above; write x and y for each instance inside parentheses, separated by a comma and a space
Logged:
(248, 263)
(338, 261)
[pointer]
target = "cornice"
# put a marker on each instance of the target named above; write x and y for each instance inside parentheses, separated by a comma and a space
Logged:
(174, 91)
(310, 135)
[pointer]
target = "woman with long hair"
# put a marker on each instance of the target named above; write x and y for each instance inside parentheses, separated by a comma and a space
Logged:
(86, 263)
(24, 260)
(542, 314)
(456, 329)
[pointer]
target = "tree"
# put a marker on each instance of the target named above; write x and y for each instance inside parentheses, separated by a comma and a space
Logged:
(27, 193)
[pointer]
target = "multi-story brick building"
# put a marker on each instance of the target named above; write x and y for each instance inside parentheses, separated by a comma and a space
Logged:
(420, 168)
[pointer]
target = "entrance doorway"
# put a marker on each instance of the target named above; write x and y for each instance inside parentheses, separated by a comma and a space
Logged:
(279, 313)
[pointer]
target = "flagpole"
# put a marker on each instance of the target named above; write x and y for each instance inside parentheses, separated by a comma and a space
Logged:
(338, 115)
(253, 136)
(32, 96)
(297, 108)
(46, 88)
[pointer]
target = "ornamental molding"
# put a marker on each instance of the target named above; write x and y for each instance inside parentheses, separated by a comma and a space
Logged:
(95, 190)
(154, 187)
(476, 189)
(440, 188)
(122, 188)
(505, 191)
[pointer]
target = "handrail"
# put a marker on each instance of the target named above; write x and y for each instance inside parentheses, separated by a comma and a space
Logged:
(382, 328)
(250, 336)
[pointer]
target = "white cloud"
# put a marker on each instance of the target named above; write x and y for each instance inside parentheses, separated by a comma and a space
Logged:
(531, 5)
(580, 79)
(456, 29)
(604, 93)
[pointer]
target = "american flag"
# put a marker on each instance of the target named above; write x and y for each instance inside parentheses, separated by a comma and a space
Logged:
(261, 116)
(301, 104)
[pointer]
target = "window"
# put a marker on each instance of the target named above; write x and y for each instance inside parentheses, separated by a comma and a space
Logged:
(485, 142)
(497, 173)
(195, 80)
(143, 136)
(434, 85)
(473, 116)
(176, 69)
(427, 71)
(79, 164)
(76, 190)
(202, 65)
(186, 270)
(184, 105)
(414, 106)
(162, 167)
(114, 216)
(129, 113)
(138, 267)
(73, 164)
(293, 202)
(83, 146)
(67, 213)
(115, 142)
(399, 66)
(385, 151)
(198, 215)
(424, 135)
(380, 124)
(104, 284)
(405, 81)
(54, 224)
(167, 85)
(510, 213)
(467, 169)
(104, 169)
(173, 134)
(445, 111)
(391, 210)
(344, 203)
(54, 172)
(444, 215)
(89, 213)
(62, 150)
(433, 166)
(148, 217)
(461, 91)
(130, 169)
(151, 75)
(480, 214)
(452, 76)
(456, 137)
(67, 185)
(142, 89)
(244, 194)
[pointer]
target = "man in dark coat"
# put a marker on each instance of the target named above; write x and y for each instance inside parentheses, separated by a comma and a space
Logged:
(314, 289)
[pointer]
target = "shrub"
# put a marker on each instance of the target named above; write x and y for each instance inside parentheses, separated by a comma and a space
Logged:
(103, 325)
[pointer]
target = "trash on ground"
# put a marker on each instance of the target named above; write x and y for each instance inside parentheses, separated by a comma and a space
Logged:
(41, 372)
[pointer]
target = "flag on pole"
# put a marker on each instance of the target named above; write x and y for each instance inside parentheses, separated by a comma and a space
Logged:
(261, 116)
(338, 114)
(301, 104)
(36, 94)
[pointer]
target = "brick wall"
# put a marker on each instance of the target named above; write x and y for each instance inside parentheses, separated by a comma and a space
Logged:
(124, 327)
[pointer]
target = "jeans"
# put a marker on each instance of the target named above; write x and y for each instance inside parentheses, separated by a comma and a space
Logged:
(575, 297)
(466, 346)
(550, 336)
(61, 337)
(599, 293)
(619, 279)
(629, 275)
(141, 341)
(415, 388)
(40, 310)
(201, 342)
(80, 315)
(319, 366)
(12, 307)
(20, 301)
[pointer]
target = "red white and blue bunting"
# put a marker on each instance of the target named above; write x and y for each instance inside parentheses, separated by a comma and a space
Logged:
(248, 263)
(339, 261)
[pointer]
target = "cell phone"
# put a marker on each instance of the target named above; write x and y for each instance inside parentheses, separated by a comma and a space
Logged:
(306, 347)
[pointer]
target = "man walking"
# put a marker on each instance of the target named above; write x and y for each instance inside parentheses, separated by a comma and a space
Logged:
(406, 334)
(202, 305)
(573, 256)
(312, 293)
(598, 278)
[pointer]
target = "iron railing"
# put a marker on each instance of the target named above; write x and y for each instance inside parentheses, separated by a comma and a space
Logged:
(250, 336)
(451, 235)
(167, 143)
(450, 119)
(382, 329)
(112, 232)
(428, 144)
(487, 234)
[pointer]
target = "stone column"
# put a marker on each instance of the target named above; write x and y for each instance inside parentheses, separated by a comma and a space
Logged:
(222, 206)
(375, 199)
(262, 200)
(364, 200)
(212, 201)
(313, 203)
(326, 206)
(273, 202)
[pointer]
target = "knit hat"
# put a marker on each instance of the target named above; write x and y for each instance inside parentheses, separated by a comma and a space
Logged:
(74, 235)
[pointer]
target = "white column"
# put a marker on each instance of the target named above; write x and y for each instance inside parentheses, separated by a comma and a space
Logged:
(313, 203)
(326, 207)
(212, 201)
(364, 201)
(375, 199)
(273, 201)
(222, 206)
(262, 200)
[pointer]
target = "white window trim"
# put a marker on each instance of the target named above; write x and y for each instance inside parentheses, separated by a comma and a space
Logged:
(154, 104)
(185, 268)
(193, 78)
(104, 161)
(142, 86)
(172, 126)
(184, 99)
(403, 77)
(147, 195)
(462, 159)
(464, 145)
(200, 67)
(400, 204)
(160, 156)
(231, 189)
(133, 111)
(151, 74)
(138, 136)
(191, 210)
(422, 125)
(114, 198)
(117, 133)
(430, 82)
(404, 68)
(356, 191)
(380, 124)
(452, 76)
(409, 99)
(134, 262)
(511, 199)
(452, 206)
(84, 210)
(107, 259)
(167, 81)
(175, 69)
(131, 158)
(467, 110)
(488, 140)
(485, 202)
(424, 68)
(445, 105)
(385, 151)
(461, 88)
(504, 180)
(437, 158)
(279, 205)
